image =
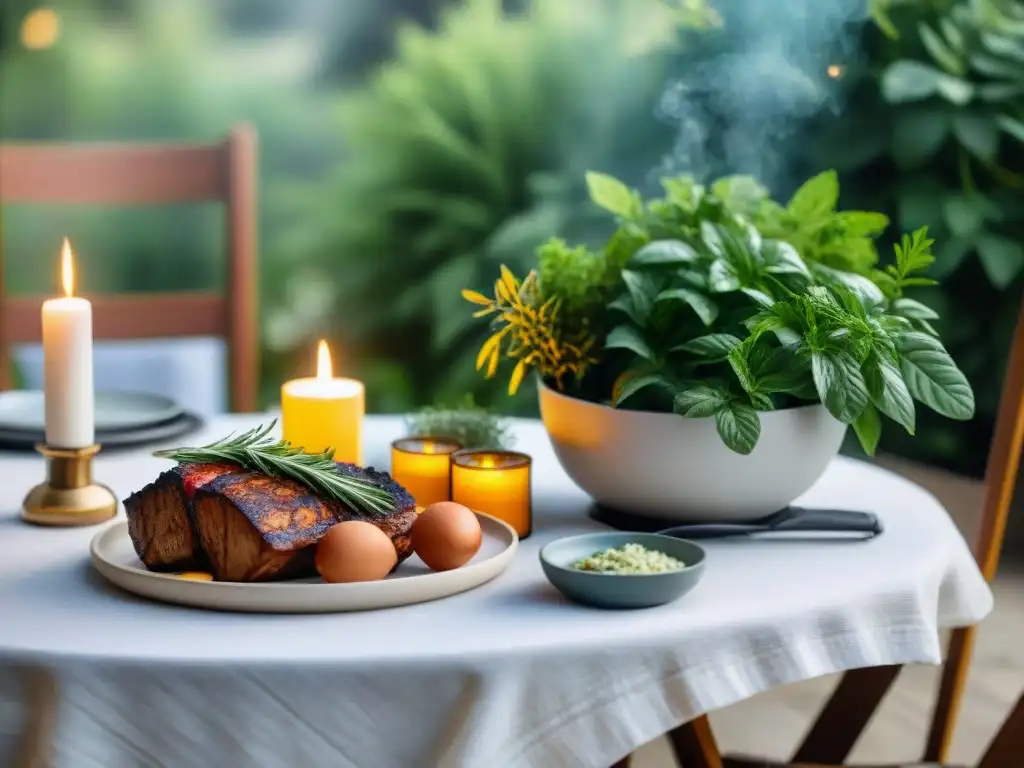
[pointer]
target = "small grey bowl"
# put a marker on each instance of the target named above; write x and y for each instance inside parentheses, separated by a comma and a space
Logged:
(612, 590)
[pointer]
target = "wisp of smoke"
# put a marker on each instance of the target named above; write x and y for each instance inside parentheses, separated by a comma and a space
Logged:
(738, 107)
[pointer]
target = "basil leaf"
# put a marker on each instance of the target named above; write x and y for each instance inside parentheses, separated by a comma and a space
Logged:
(759, 297)
(714, 346)
(624, 304)
(868, 427)
(693, 277)
(642, 289)
(628, 337)
(780, 370)
(611, 194)
(721, 278)
(803, 389)
(738, 426)
(741, 193)
(859, 284)
(933, 378)
(700, 401)
(888, 391)
(705, 308)
(840, 384)
(816, 198)
(914, 309)
(739, 365)
(783, 259)
(712, 238)
(631, 382)
(664, 252)
(864, 223)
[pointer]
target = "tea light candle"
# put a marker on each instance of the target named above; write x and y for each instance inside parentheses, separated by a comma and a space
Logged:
(325, 412)
(497, 483)
(67, 364)
(422, 465)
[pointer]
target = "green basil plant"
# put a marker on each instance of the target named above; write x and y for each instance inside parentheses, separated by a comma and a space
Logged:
(719, 302)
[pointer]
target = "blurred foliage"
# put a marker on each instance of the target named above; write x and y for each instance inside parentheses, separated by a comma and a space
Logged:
(151, 71)
(466, 150)
(366, 37)
(933, 133)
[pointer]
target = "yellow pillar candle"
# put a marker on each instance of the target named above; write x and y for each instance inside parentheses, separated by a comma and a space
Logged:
(497, 483)
(422, 465)
(324, 412)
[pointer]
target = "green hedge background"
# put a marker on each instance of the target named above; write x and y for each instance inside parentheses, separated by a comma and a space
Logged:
(408, 147)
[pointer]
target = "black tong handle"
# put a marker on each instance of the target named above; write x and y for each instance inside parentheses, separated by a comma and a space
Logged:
(789, 520)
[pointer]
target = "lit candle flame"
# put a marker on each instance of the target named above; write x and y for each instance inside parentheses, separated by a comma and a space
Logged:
(67, 269)
(488, 462)
(428, 446)
(324, 371)
(835, 71)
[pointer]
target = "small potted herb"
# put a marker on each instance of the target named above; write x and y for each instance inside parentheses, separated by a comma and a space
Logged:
(471, 425)
(707, 361)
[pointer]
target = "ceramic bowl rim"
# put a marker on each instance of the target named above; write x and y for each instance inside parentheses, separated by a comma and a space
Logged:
(628, 412)
(695, 566)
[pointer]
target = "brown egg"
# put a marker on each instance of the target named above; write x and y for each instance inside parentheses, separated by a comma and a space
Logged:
(355, 551)
(446, 535)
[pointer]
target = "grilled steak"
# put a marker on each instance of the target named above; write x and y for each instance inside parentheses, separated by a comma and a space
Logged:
(160, 517)
(247, 526)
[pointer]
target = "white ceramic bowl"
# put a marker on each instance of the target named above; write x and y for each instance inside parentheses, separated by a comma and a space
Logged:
(664, 466)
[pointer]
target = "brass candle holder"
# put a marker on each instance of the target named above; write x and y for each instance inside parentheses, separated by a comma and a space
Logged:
(69, 497)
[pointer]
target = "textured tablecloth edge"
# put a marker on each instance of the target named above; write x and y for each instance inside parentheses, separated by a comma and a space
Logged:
(649, 694)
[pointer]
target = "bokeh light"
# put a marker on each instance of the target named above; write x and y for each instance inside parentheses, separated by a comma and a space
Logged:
(40, 29)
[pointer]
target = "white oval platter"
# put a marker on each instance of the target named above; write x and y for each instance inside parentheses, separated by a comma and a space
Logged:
(412, 582)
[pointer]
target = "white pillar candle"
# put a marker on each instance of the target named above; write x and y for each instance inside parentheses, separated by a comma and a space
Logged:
(67, 364)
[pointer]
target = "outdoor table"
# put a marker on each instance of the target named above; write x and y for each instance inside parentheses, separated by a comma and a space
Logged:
(509, 674)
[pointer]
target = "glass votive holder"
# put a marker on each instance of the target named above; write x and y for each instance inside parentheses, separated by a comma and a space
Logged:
(422, 465)
(496, 483)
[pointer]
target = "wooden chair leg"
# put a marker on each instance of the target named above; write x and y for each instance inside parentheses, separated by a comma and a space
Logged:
(846, 715)
(694, 744)
(951, 691)
(1008, 745)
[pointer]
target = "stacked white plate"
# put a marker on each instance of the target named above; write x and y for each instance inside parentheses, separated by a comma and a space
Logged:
(122, 419)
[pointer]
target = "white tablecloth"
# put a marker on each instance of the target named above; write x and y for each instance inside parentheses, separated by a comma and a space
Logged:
(506, 675)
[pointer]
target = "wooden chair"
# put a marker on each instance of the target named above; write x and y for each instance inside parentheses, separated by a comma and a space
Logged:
(146, 174)
(860, 691)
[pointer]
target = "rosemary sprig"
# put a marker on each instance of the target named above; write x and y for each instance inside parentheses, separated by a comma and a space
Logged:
(255, 450)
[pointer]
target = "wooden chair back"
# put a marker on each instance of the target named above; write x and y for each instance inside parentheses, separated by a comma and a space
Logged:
(141, 174)
(859, 692)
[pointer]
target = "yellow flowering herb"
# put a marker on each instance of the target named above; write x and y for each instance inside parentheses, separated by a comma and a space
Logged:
(527, 330)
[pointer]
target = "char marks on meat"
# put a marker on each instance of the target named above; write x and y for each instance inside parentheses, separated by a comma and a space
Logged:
(247, 526)
(160, 517)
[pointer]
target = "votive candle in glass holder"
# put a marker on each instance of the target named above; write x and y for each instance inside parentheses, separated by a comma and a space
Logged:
(496, 483)
(422, 465)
